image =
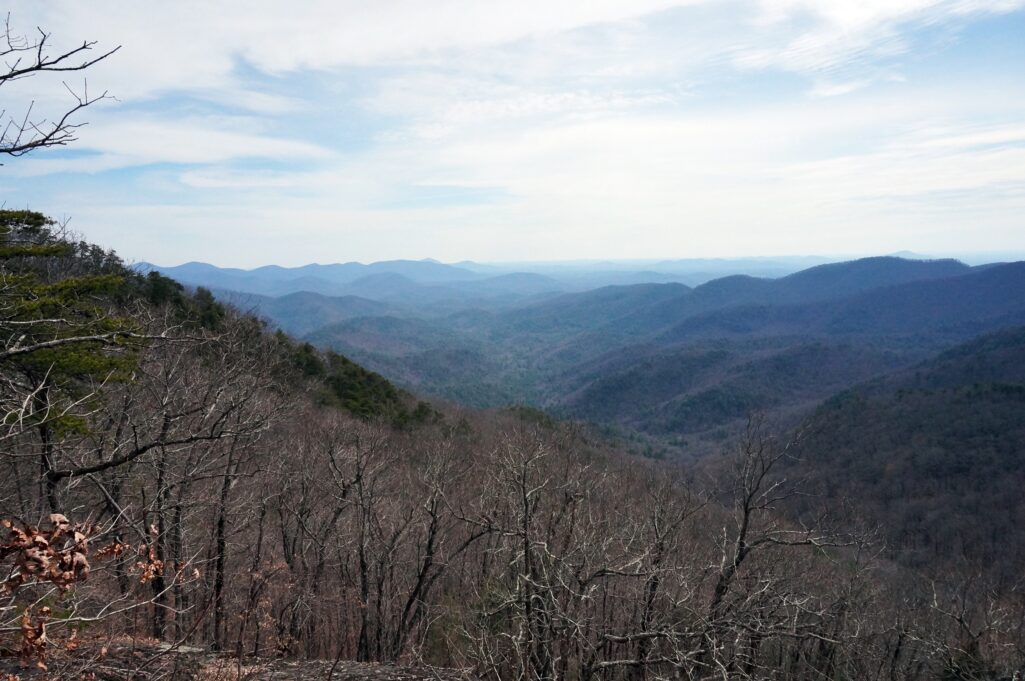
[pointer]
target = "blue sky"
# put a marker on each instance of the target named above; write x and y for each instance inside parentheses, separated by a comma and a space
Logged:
(247, 133)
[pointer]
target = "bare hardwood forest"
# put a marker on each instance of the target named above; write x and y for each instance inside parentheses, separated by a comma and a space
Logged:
(173, 473)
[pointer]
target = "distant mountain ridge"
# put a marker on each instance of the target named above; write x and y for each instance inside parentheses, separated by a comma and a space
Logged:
(658, 308)
(661, 358)
(331, 279)
(515, 279)
(975, 301)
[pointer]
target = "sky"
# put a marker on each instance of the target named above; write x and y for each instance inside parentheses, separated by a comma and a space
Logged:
(250, 133)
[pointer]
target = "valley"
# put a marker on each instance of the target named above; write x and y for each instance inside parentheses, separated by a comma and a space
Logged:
(674, 367)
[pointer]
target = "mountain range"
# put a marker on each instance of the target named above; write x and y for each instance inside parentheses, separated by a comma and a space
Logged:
(474, 281)
(880, 483)
(683, 365)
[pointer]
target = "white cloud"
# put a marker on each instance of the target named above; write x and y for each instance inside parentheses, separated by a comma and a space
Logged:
(829, 89)
(629, 186)
(120, 142)
(606, 128)
(836, 33)
(196, 46)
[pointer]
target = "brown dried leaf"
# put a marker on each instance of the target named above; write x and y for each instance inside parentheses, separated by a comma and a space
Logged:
(59, 521)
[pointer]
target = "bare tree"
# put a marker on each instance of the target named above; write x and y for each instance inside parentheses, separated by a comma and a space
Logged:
(26, 56)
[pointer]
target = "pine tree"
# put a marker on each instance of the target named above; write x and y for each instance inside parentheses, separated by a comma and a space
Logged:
(62, 339)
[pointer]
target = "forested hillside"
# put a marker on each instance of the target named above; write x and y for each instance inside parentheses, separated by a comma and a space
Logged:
(175, 471)
(934, 456)
(703, 387)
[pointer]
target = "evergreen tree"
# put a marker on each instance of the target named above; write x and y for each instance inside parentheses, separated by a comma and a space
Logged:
(62, 339)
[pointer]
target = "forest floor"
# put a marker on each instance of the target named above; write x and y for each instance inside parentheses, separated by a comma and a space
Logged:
(148, 662)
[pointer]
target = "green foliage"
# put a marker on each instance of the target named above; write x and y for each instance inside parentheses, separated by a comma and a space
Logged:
(357, 390)
(309, 361)
(210, 313)
(422, 414)
(340, 383)
(367, 394)
(55, 291)
(160, 290)
(531, 415)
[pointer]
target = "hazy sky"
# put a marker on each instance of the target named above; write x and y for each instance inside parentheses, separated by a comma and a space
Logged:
(248, 133)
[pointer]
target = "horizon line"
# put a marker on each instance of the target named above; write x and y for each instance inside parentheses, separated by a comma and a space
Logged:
(981, 257)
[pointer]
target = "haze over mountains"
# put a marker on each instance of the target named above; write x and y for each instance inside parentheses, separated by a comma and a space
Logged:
(677, 363)
(476, 280)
